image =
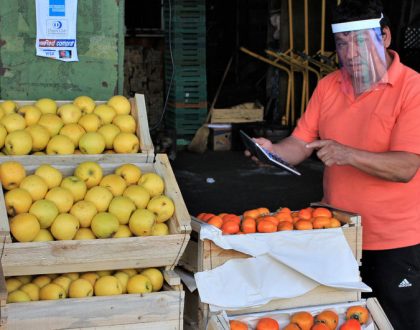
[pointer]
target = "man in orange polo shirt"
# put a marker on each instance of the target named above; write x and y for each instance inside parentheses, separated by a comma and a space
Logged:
(363, 121)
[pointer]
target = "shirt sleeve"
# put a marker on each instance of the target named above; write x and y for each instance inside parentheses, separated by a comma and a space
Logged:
(406, 133)
(307, 128)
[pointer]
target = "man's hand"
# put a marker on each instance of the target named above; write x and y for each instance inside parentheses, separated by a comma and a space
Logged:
(266, 144)
(331, 152)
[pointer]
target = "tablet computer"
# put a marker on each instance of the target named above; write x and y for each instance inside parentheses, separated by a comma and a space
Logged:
(265, 156)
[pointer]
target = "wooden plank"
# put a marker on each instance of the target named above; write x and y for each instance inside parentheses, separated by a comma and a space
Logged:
(378, 315)
(98, 254)
(129, 311)
(146, 154)
(237, 115)
(146, 143)
(3, 288)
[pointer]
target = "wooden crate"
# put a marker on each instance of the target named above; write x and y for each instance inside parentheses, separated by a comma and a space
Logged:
(151, 311)
(246, 113)
(379, 318)
(101, 254)
(205, 255)
(146, 153)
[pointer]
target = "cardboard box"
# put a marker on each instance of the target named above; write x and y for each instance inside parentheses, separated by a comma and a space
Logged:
(221, 137)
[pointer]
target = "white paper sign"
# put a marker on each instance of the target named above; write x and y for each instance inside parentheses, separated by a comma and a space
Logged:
(56, 29)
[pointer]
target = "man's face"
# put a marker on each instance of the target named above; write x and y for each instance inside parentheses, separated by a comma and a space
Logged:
(361, 52)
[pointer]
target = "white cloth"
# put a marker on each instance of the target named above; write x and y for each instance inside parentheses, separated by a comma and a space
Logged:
(284, 265)
(56, 29)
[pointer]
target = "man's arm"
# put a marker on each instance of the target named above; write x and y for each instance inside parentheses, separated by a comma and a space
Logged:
(290, 149)
(396, 166)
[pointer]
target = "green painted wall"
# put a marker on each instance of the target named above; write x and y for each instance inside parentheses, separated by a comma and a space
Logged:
(100, 45)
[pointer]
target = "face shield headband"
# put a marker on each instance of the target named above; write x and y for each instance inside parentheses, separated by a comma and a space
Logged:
(361, 54)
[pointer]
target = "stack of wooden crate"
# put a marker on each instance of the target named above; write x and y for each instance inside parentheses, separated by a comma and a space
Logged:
(202, 255)
(185, 66)
(158, 310)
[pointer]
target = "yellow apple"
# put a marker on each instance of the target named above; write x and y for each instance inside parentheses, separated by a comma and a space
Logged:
(162, 206)
(50, 174)
(45, 211)
(3, 134)
(139, 284)
(126, 143)
(61, 197)
(155, 276)
(24, 227)
(35, 186)
(90, 276)
(40, 136)
(109, 132)
(17, 296)
(17, 201)
(12, 284)
(89, 172)
(160, 229)
(92, 143)
(139, 195)
(121, 104)
(30, 113)
(100, 197)
(123, 232)
(107, 286)
(84, 233)
(114, 183)
(122, 207)
(18, 143)
(60, 145)
(63, 281)
(153, 183)
(46, 105)
(32, 290)
(74, 132)
(13, 122)
(85, 103)
(105, 112)
(52, 123)
(141, 222)
(69, 113)
(44, 235)
(11, 174)
(8, 106)
(129, 172)
(52, 291)
(84, 211)
(90, 122)
(64, 226)
(41, 280)
(80, 288)
(76, 186)
(104, 225)
(123, 278)
(126, 123)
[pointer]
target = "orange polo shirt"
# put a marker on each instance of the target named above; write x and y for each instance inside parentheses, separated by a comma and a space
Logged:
(387, 119)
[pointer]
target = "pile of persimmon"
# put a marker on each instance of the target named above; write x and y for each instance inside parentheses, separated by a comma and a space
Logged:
(261, 220)
(355, 317)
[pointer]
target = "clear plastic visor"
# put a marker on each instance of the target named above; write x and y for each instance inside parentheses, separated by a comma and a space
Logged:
(362, 60)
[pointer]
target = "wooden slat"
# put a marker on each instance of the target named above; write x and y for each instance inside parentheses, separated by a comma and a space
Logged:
(159, 310)
(3, 288)
(237, 115)
(91, 255)
(378, 315)
(146, 154)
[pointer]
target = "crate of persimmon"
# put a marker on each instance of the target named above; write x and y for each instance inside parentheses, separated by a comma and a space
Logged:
(121, 299)
(202, 255)
(91, 216)
(94, 130)
(361, 315)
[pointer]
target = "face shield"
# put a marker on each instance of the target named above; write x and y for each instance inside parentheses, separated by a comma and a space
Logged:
(361, 55)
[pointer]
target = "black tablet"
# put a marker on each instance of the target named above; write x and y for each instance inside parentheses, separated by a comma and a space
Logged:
(266, 156)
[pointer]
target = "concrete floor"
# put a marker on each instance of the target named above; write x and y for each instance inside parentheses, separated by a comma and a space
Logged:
(227, 181)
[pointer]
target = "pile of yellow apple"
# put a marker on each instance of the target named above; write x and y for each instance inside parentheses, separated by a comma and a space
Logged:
(79, 127)
(44, 206)
(79, 285)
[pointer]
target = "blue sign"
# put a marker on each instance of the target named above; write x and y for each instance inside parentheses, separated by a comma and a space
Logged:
(57, 7)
